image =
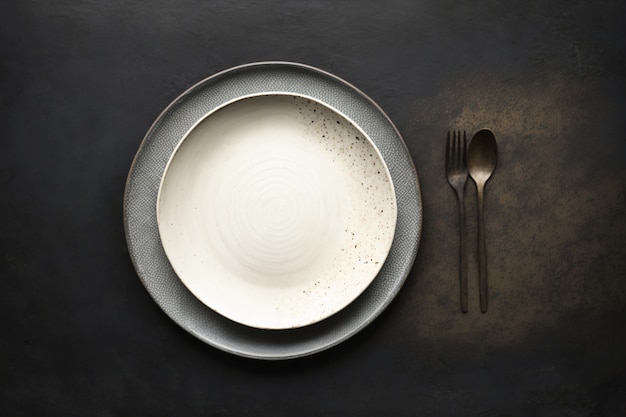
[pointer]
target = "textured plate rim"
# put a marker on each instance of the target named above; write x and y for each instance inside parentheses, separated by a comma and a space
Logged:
(283, 344)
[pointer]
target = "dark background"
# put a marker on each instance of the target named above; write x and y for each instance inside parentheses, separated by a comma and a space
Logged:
(82, 81)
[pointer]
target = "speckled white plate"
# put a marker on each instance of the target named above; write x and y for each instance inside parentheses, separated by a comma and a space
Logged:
(276, 211)
(163, 138)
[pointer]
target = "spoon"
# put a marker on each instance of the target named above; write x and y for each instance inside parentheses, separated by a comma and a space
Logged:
(481, 162)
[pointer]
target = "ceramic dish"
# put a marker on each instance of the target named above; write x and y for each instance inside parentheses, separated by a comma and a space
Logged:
(276, 211)
(148, 169)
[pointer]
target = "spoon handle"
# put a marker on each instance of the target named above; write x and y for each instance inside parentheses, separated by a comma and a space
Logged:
(482, 251)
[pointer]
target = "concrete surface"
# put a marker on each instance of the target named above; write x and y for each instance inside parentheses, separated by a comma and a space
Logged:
(80, 84)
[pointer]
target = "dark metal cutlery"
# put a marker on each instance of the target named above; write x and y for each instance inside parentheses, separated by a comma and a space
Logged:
(456, 170)
(480, 162)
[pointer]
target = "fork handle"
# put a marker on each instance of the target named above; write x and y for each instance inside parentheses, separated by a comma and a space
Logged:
(463, 253)
(482, 252)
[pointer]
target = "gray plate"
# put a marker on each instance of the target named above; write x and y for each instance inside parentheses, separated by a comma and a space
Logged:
(140, 201)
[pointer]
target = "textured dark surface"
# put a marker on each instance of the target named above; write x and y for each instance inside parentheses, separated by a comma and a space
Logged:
(81, 82)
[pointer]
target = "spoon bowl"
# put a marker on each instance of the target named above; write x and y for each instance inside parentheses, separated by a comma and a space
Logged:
(482, 155)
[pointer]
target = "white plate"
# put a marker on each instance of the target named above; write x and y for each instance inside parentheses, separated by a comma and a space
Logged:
(276, 211)
(144, 179)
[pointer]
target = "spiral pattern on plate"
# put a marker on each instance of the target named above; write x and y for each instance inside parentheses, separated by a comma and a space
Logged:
(277, 219)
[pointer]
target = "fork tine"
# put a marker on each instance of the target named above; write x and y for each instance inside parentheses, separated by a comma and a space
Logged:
(461, 150)
(464, 151)
(457, 145)
(455, 151)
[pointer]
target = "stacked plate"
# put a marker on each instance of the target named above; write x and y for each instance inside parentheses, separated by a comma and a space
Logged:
(273, 210)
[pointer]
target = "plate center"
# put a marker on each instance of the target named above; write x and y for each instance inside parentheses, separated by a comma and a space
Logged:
(274, 213)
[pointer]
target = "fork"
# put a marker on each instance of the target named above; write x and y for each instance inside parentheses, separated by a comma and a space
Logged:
(456, 170)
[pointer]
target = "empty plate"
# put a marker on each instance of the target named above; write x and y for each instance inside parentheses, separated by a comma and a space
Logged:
(266, 210)
(276, 211)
